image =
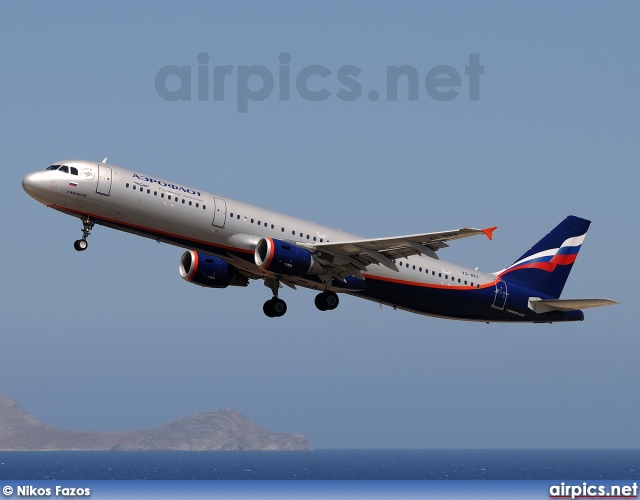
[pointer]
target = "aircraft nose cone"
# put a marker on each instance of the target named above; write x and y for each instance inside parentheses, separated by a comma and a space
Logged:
(29, 183)
(32, 184)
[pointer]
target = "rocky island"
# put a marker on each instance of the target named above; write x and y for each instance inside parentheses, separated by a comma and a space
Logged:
(219, 430)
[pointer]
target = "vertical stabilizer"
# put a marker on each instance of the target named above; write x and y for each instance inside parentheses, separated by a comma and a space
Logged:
(545, 267)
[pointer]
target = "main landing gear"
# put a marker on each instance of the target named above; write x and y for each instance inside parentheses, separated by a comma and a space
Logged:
(327, 300)
(276, 307)
(87, 226)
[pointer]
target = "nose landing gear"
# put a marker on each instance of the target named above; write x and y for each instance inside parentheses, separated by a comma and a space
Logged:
(87, 226)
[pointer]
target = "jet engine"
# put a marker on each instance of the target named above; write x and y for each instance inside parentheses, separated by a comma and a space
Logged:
(209, 271)
(282, 257)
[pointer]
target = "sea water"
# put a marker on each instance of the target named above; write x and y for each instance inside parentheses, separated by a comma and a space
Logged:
(324, 464)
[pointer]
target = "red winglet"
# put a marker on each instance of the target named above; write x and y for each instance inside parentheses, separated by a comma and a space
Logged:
(489, 231)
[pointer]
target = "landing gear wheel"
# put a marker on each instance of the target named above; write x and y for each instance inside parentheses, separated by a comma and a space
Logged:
(279, 307)
(327, 301)
(80, 245)
(274, 308)
(267, 309)
(87, 226)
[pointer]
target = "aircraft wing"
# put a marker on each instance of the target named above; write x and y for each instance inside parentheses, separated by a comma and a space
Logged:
(542, 306)
(348, 258)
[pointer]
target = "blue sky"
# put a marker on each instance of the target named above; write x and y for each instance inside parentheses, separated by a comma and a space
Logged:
(113, 339)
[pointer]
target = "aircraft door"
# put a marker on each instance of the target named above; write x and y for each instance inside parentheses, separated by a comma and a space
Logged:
(219, 212)
(500, 299)
(104, 180)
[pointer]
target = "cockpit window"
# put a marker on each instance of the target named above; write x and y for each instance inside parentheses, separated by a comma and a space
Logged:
(64, 168)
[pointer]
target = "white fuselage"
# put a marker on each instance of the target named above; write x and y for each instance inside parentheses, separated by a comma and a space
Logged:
(414, 278)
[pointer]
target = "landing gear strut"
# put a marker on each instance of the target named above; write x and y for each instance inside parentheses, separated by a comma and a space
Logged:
(275, 307)
(327, 301)
(87, 226)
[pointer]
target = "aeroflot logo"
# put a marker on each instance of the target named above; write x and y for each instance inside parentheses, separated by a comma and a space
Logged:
(315, 82)
(166, 184)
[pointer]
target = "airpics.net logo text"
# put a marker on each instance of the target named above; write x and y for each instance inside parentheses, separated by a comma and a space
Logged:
(314, 83)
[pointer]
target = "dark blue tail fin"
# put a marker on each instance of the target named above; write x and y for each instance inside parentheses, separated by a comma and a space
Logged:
(546, 265)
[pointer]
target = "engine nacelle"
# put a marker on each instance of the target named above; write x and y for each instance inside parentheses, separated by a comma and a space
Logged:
(209, 271)
(282, 257)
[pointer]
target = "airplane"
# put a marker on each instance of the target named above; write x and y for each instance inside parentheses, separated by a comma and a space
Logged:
(229, 243)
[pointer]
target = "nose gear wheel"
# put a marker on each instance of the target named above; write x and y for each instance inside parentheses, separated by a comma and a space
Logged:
(87, 226)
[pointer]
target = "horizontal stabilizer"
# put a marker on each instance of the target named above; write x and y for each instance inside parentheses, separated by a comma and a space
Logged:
(542, 306)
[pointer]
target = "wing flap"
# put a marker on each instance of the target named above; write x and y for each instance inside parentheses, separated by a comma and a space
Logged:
(542, 306)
